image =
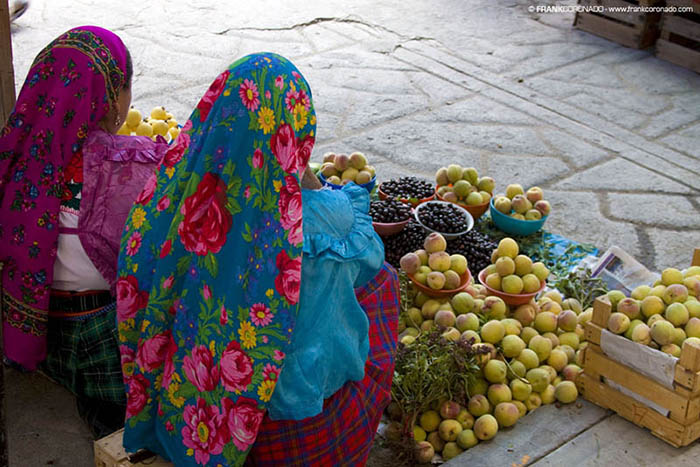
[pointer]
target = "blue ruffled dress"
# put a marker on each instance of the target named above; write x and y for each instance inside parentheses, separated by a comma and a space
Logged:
(330, 342)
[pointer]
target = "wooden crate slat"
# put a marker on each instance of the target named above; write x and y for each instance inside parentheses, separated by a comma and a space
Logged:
(616, 32)
(690, 356)
(637, 19)
(645, 387)
(603, 395)
(677, 54)
(682, 26)
(593, 333)
(696, 257)
(602, 309)
(687, 382)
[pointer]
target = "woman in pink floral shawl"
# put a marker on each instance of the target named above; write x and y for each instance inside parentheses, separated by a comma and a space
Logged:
(67, 182)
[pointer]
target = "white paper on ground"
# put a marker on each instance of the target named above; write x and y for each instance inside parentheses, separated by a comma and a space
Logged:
(651, 363)
(637, 397)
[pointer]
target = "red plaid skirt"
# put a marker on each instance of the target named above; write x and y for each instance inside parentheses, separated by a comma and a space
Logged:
(343, 433)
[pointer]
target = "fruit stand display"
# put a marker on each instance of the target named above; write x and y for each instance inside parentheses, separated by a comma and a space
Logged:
(496, 321)
(499, 359)
(667, 404)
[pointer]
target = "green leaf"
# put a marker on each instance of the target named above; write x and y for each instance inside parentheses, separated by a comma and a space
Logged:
(242, 313)
(247, 235)
(212, 264)
(233, 455)
(273, 333)
(183, 264)
(187, 390)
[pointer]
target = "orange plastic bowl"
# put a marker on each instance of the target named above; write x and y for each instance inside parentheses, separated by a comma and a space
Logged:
(509, 298)
(414, 203)
(476, 210)
(466, 280)
(386, 229)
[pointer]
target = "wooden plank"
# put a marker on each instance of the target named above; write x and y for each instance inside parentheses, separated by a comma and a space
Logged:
(687, 382)
(690, 356)
(633, 18)
(634, 381)
(593, 333)
(677, 54)
(603, 395)
(696, 258)
(7, 74)
(616, 32)
(535, 435)
(601, 312)
(683, 27)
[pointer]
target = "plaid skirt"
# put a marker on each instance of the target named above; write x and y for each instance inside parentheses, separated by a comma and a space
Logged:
(343, 433)
(83, 354)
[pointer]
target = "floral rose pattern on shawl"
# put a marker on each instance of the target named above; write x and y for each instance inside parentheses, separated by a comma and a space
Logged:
(210, 269)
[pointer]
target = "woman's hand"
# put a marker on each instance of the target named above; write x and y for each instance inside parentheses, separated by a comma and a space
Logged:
(310, 181)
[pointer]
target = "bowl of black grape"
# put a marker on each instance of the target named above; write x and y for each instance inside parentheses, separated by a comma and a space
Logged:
(448, 219)
(410, 190)
(389, 216)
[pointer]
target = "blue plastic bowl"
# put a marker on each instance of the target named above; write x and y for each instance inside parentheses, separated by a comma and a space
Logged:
(514, 226)
(369, 186)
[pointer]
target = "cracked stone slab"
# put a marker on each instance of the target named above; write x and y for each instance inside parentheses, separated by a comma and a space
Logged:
(615, 441)
(684, 111)
(578, 216)
(478, 110)
(576, 151)
(673, 248)
(686, 140)
(655, 210)
(559, 113)
(618, 105)
(621, 175)
(503, 138)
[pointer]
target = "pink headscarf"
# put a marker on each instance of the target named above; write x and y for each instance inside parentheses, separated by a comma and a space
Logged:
(69, 89)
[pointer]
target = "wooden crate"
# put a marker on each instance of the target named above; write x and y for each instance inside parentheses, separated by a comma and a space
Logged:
(109, 452)
(637, 30)
(680, 36)
(682, 425)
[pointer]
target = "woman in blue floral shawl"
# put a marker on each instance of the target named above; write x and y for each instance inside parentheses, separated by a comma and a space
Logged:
(208, 299)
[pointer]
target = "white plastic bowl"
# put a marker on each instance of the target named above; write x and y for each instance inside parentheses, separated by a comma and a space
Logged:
(448, 236)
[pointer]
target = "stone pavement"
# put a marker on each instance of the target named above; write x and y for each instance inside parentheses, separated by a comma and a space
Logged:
(612, 134)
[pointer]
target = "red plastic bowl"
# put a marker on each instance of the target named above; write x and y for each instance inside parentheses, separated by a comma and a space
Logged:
(383, 196)
(466, 280)
(509, 298)
(476, 210)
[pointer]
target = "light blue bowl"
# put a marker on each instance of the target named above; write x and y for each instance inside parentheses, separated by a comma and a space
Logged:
(369, 186)
(513, 226)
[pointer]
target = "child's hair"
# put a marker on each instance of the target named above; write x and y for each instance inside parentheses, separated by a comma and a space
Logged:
(129, 70)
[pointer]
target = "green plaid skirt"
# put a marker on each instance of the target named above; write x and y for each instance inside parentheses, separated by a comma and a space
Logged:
(83, 355)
